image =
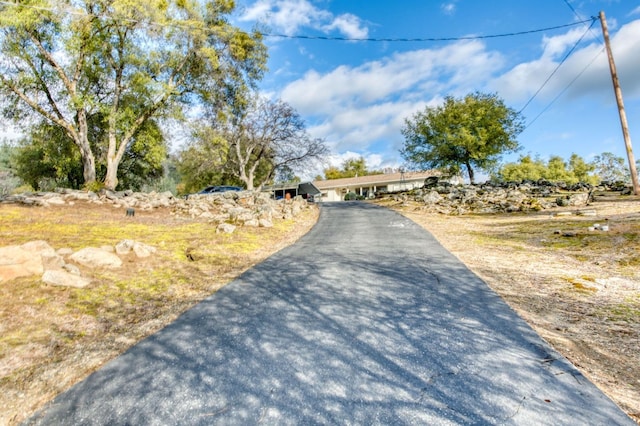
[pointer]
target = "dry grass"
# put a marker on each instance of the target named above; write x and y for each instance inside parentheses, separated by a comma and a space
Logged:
(579, 289)
(52, 337)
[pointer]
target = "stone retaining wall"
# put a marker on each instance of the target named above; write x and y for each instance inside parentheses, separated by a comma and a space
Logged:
(443, 197)
(244, 208)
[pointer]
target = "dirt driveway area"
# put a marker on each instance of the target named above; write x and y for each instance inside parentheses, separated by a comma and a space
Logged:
(578, 286)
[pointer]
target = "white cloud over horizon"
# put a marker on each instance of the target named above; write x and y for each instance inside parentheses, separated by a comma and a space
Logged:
(289, 16)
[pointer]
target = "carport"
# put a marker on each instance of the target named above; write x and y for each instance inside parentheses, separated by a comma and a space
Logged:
(305, 189)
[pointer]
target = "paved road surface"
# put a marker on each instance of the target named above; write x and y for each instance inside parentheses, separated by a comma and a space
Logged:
(366, 320)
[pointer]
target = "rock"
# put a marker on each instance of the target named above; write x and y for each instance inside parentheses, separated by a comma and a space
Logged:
(226, 228)
(92, 257)
(72, 269)
(17, 262)
(56, 201)
(143, 250)
(50, 258)
(124, 247)
(38, 246)
(264, 223)
(254, 223)
(432, 197)
(65, 279)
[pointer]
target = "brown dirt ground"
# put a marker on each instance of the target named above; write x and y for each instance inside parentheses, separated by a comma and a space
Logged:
(52, 337)
(579, 289)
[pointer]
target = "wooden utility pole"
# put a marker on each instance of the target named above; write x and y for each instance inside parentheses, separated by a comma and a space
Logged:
(623, 115)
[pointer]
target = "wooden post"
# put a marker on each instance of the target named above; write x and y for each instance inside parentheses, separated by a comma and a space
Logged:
(623, 115)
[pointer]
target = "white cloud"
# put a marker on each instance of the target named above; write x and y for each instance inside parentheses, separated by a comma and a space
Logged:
(635, 11)
(289, 16)
(448, 8)
(406, 75)
(349, 25)
(523, 80)
(355, 108)
(558, 45)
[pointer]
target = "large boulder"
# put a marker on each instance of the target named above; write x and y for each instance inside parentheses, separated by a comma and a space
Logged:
(64, 279)
(92, 257)
(16, 262)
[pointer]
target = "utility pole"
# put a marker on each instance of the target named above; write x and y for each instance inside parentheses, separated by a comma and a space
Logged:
(623, 115)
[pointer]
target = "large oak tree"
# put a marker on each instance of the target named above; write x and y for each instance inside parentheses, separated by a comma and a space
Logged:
(471, 133)
(129, 61)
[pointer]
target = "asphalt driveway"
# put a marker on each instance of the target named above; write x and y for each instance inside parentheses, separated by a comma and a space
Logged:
(366, 320)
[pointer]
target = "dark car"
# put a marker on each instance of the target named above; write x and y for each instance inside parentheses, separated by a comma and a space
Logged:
(216, 189)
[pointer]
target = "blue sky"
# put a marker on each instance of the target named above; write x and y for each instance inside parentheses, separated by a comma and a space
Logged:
(356, 94)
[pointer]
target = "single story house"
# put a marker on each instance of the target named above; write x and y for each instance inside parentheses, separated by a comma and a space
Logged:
(367, 186)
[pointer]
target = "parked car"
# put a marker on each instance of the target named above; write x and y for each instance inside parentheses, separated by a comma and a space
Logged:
(216, 189)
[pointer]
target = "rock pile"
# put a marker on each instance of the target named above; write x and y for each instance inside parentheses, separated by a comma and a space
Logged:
(226, 209)
(443, 197)
(60, 267)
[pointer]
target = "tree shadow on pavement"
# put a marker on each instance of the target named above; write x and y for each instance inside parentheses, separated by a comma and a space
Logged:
(343, 329)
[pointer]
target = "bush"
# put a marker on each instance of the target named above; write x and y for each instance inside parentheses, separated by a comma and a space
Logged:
(95, 186)
(351, 196)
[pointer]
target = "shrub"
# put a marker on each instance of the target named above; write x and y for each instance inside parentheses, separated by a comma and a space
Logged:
(351, 196)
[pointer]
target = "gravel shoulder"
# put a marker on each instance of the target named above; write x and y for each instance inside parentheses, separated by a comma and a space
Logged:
(578, 288)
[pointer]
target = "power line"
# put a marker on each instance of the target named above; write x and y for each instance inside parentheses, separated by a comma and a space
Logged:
(429, 39)
(581, 18)
(329, 38)
(565, 89)
(557, 68)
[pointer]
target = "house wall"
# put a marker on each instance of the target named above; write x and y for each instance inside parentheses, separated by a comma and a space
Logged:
(337, 194)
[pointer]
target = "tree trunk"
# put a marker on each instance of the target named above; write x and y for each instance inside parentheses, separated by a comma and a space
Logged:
(471, 175)
(111, 178)
(81, 139)
(88, 165)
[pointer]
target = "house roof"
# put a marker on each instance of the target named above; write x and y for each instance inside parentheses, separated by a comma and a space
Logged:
(375, 179)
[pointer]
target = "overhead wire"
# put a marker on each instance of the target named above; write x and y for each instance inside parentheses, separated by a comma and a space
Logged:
(580, 17)
(429, 39)
(330, 38)
(556, 68)
(600, 52)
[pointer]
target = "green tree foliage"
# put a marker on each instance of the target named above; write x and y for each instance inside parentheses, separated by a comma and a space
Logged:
(611, 168)
(526, 168)
(582, 170)
(65, 61)
(470, 133)
(8, 178)
(350, 168)
(203, 161)
(286, 175)
(48, 158)
(554, 170)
